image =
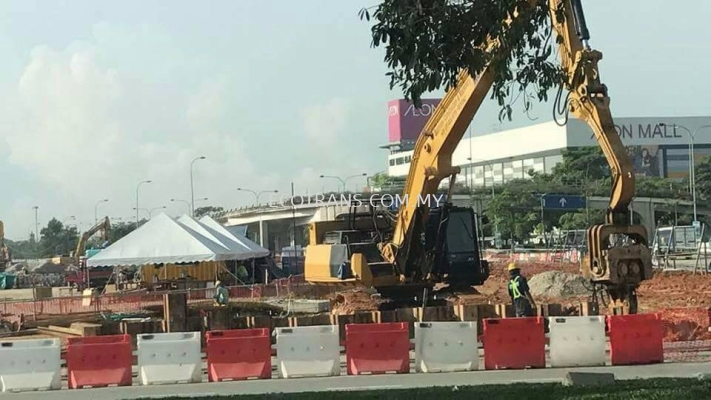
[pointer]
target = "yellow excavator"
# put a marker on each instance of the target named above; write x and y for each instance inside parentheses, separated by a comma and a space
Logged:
(103, 226)
(370, 251)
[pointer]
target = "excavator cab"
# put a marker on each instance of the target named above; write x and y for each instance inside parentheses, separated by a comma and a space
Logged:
(452, 240)
(447, 250)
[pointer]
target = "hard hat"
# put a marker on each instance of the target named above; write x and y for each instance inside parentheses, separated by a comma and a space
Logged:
(218, 283)
(512, 266)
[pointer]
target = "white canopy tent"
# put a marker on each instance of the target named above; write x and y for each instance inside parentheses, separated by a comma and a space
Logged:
(163, 240)
(257, 249)
(243, 248)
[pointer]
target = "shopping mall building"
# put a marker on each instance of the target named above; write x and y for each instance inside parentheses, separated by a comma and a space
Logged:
(658, 146)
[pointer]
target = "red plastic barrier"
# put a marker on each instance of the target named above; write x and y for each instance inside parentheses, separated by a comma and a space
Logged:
(636, 339)
(239, 354)
(514, 343)
(378, 348)
(99, 361)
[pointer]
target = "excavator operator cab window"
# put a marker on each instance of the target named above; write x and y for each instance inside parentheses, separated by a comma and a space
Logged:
(461, 232)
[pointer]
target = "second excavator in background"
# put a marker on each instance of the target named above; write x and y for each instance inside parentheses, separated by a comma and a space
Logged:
(412, 247)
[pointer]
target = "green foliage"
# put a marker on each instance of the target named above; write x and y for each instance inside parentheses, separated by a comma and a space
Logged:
(56, 239)
(581, 220)
(23, 249)
(428, 42)
(582, 164)
(703, 179)
(121, 229)
(516, 207)
(202, 211)
(383, 180)
(512, 212)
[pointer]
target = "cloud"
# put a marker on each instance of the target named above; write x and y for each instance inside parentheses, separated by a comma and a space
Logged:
(92, 119)
(324, 123)
(88, 129)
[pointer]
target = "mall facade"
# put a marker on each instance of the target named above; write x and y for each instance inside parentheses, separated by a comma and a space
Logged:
(658, 146)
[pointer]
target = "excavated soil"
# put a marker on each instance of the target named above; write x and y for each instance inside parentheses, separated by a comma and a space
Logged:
(675, 289)
(351, 301)
(494, 291)
(687, 323)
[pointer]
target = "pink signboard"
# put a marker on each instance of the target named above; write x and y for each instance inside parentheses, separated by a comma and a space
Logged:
(405, 122)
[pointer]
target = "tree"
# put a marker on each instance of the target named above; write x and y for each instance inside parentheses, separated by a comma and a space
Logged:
(581, 220)
(56, 239)
(702, 172)
(428, 42)
(202, 211)
(121, 229)
(383, 180)
(584, 164)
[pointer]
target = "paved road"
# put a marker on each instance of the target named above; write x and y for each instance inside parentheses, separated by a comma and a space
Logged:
(343, 383)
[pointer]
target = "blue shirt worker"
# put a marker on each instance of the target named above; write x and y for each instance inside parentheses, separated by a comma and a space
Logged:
(520, 293)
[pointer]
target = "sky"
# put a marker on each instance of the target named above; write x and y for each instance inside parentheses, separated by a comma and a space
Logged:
(99, 96)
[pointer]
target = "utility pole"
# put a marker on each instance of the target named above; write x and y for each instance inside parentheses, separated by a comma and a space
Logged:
(192, 190)
(138, 187)
(36, 224)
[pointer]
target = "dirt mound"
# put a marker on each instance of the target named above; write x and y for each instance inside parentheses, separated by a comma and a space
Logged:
(686, 323)
(528, 269)
(675, 289)
(558, 285)
(351, 301)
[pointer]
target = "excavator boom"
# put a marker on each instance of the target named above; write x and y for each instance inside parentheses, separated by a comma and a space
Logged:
(618, 254)
(432, 157)
(103, 225)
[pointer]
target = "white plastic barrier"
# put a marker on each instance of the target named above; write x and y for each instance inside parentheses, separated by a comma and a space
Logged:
(577, 341)
(446, 346)
(308, 351)
(30, 365)
(169, 358)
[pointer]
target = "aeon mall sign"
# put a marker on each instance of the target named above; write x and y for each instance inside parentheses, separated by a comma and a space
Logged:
(405, 121)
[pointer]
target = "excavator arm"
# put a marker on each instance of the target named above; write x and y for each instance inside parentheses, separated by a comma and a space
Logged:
(104, 226)
(618, 254)
(432, 157)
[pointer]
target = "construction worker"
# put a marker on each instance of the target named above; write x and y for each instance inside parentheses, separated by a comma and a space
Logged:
(520, 293)
(242, 273)
(222, 295)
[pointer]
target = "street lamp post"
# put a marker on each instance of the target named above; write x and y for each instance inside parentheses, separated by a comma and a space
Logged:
(692, 161)
(188, 203)
(96, 208)
(192, 191)
(342, 180)
(261, 223)
(138, 187)
(257, 194)
(36, 224)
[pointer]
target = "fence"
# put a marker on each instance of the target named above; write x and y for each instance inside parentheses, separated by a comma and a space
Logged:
(134, 302)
